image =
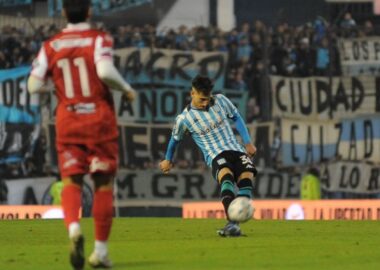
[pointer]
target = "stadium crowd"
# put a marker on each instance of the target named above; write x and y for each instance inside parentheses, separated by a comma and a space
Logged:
(255, 50)
(305, 50)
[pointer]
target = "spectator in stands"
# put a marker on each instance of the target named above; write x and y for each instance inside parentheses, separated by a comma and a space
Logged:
(257, 47)
(322, 58)
(168, 41)
(319, 29)
(121, 38)
(368, 29)
(233, 37)
(137, 40)
(232, 56)
(348, 27)
(245, 31)
(244, 50)
(4, 63)
(238, 82)
(201, 45)
(304, 58)
(214, 44)
(149, 35)
(259, 28)
(288, 66)
(181, 37)
(222, 45)
(348, 22)
(253, 110)
(278, 58)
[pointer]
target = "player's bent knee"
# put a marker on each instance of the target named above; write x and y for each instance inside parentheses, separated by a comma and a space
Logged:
(103, 181)
(227, 187)
(245, 186)
(225, 173)
(73, 180)
(245, 182)
(246, 175)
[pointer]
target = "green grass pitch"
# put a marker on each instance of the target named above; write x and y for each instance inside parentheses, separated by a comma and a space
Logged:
(174, 243)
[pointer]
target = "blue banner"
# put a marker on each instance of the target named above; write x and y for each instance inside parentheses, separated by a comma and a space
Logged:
(19, 115)
(163, 105)
(16, 105)
(312, 142)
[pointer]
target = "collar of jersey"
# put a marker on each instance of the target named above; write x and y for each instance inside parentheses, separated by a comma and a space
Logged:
(83, 26)
(212, 102)
(194, 108)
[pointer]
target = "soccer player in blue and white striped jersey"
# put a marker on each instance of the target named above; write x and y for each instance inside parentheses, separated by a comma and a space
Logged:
(206, 119)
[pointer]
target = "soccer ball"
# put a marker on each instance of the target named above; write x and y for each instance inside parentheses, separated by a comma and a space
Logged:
(240, 210)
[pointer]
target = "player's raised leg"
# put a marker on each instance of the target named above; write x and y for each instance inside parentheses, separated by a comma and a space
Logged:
(227, 193)
(227, 188)
(245, 185)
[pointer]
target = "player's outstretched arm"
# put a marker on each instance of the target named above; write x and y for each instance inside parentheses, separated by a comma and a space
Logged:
(243, 131)
(251, 149)
(165, 166)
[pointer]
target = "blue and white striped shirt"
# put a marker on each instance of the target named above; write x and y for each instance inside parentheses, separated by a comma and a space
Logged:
(210, 128)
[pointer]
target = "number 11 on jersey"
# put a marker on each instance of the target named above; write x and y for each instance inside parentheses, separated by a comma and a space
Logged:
(80, 64)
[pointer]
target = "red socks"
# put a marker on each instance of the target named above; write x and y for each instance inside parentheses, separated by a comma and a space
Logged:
(102, 211)
(71, 203)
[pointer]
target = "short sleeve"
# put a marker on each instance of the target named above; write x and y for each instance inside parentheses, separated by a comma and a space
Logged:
(103, 47)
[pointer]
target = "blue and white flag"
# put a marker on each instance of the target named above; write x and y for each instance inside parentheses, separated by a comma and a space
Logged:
(19, 116)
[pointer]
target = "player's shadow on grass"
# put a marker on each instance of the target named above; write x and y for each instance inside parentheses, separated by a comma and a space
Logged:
(129, 265)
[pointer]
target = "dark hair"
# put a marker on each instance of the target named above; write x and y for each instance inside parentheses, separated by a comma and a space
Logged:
(76, 10)
(314, 171)
(202, 84)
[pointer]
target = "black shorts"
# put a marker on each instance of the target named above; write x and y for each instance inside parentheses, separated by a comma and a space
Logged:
(237, 162)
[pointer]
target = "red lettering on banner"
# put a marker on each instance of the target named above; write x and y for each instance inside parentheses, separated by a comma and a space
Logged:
(311, 210)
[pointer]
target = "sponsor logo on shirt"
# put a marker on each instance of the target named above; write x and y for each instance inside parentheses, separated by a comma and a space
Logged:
(212, 127)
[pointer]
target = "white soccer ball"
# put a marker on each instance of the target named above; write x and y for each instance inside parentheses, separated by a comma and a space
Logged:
(240, 210)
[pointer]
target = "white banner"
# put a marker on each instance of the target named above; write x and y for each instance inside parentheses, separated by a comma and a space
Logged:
(170, 67)
(322, 98)
(360, 56)
(309, 142)
(356, 177)
(158, 105)
(28, 190)
(195, 185)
